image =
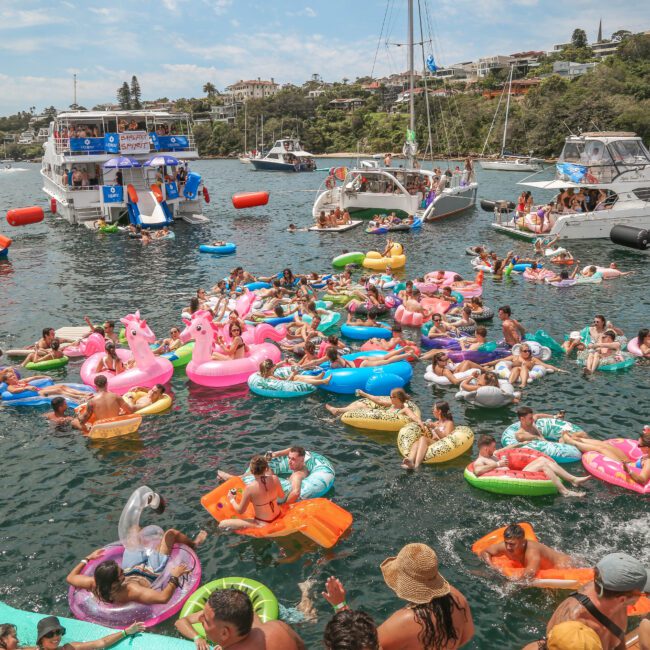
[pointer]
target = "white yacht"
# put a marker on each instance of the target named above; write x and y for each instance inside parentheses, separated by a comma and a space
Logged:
(286, 155)
(99, 164)
(369, 189)
(610, 174)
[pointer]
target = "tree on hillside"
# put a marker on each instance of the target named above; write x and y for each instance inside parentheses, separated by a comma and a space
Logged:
(621, 35)
(209, 89)
(136, 93)
(579, 38)
(124, 96)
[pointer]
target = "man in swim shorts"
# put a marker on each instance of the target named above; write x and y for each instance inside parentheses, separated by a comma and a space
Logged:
(104, 404)
(619, 581)
(528, 431)
(526, 553)
(513, 330)
(230, 622)
(151, 397)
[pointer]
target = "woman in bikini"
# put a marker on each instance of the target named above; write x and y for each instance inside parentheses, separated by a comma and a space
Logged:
(432, 430)
(110, 362)
(522, 364)
(606, 351)
(237, 348)
(263, 493)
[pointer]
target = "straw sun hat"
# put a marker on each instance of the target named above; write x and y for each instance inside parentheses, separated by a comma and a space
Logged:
(413, 575)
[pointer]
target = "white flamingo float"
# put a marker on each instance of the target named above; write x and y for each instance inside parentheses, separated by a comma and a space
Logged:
(149, 369)
(205, 371)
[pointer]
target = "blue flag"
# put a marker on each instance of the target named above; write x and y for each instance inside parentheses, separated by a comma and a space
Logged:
(570, 170)
(431, 64)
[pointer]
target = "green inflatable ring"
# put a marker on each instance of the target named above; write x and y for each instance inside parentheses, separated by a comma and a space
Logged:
(265, 604)
(354, 257)
(50, 364)
(108, 229)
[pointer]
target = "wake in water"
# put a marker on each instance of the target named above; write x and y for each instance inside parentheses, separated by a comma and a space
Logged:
(10, 170)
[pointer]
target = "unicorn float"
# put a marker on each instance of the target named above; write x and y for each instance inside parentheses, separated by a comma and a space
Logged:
(205, 371)
(148, 370)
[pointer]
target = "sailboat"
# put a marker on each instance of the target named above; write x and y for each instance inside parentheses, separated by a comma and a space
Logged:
(246, 156)
(508, 162)
(370, 189)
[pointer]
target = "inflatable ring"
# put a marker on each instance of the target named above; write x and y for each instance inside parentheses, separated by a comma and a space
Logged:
(318, 482)
(513, 480)
(551, 429)
(486, 314)
(337, 298)
(456, 444)
(355, 257)
(265, 604)
(278, 385)
(226, 249)
(365, 332)
(378, 418)
(163, 404)
(86, 607)
(611, 471)
(627, 361)
(504, 368)
(50, 364)
(490, 396)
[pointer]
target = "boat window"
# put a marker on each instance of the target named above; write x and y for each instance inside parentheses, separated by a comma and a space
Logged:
(642, 193)
(572, 152)
(273, 155)
(595, 153)
(630, 151)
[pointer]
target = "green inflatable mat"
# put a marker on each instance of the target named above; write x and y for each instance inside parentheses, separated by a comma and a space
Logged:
(26, 623)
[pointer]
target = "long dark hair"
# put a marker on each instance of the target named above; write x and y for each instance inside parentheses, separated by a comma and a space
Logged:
(107, 576)
(436, 620)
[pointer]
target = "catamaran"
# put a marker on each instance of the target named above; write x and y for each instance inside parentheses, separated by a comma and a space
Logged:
(370, 189)
(114, 164)
(608, 173)
(508, 162)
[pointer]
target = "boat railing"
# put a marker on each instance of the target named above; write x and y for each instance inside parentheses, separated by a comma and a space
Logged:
(157, 144)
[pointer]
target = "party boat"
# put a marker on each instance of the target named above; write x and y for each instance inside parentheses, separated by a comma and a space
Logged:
(614, 167)
(114, 165)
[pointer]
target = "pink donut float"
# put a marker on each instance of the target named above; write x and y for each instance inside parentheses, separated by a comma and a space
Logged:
(633, 347)
(410, 318)
(90, 345)
(611, 471)
(537, 275)
(205, 371)
(436, 305)
(149, 369)
(608, 274)
(469, 290)
(443, 279)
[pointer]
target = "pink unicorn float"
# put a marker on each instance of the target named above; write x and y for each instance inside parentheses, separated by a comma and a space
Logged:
(148, 370)
(206, 371)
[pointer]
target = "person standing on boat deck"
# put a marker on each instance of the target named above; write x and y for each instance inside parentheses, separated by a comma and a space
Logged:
(119, 179)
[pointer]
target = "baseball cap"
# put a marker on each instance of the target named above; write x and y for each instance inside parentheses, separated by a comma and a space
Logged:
(622, 572)
(573, 635)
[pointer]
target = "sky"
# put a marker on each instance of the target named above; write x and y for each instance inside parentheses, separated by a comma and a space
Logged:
(175, 46)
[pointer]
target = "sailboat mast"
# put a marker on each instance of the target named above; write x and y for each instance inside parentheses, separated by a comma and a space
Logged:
(411, 71)
(245, 130)
(505, 126)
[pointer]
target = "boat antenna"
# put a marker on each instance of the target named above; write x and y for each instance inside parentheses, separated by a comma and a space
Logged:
(505, 125)
(595, 126)
(426, 88)
(74, 85)
(568, 128)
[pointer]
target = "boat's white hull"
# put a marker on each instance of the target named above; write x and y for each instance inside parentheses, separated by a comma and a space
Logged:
(590, 225)
(245, 160)
(452, 201)
(509, 166)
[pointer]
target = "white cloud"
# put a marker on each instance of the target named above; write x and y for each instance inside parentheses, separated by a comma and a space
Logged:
(20, 19)
(234, 22)
(307, 11)
(219, 6)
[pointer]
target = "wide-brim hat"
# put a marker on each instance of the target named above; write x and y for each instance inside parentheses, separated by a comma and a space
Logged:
(413, 575)
(47, 625)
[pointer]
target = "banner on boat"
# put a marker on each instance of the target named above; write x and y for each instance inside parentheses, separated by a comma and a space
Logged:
(168, 142)
(89, 145)
(112, 194)
(112, 143)
(571, 171)
(171, 189)
(134, 142)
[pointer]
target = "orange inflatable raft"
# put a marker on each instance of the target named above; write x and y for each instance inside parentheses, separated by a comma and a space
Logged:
(548, 576)
(110, 428)
(318, 519)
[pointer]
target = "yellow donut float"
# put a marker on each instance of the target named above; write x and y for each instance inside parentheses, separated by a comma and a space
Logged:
(164, 403)
(377, 262)
(377, 418)
(440, 451)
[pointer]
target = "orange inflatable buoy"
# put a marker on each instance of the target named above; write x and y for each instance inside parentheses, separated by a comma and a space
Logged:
(133, 195)
(53, 205)
(206, 194)
(25, 216)
(249, 199)
(318, 519)
(157, 192)
(5, 242)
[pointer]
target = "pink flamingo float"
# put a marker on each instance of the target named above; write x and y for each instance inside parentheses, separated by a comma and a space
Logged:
(90, 345)
(204, 370)
(149, 369)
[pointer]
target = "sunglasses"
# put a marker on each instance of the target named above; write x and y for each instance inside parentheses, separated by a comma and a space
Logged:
(52, 633)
